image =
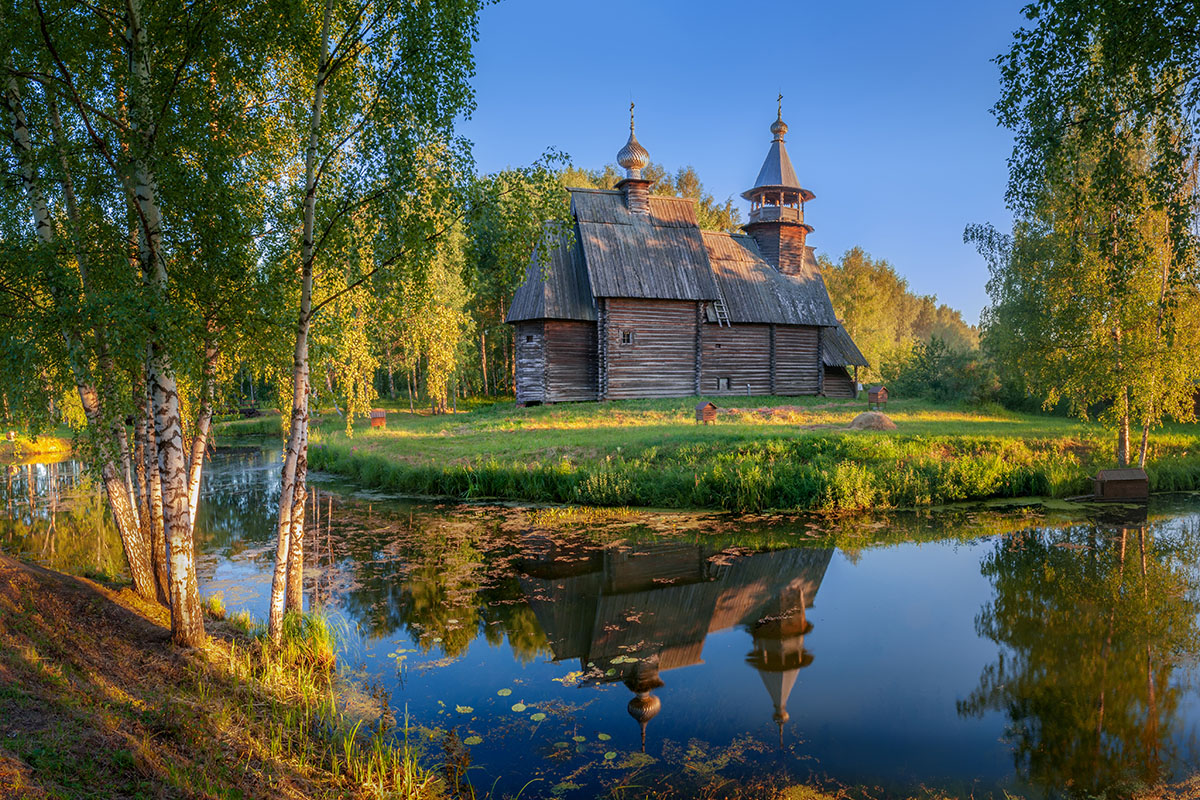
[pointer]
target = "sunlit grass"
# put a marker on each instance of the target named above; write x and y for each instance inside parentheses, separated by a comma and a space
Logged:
(763, 453)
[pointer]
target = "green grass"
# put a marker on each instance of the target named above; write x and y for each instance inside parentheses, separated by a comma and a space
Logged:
(779, 453)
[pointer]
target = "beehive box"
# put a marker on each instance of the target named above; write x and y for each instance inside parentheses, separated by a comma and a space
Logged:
(1122, 485)
(706, 412)
(378, 418)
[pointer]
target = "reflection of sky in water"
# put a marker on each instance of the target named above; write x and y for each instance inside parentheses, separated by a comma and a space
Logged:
(869, 655)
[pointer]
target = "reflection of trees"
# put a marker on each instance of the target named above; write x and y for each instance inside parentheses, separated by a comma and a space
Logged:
(1092, 625)
(238, 501)
(442, 585)
(52, 515)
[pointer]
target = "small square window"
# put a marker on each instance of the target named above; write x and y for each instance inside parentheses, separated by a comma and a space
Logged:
(722, 384)
(529, 337)
(626, 337)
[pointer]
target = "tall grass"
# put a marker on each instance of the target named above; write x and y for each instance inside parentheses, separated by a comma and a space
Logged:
(831, 472)
(293, 692)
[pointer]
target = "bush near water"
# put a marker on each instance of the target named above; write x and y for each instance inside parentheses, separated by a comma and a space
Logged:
(765, 455)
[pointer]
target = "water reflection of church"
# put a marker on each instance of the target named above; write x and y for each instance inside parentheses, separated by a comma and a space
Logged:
(630, 613)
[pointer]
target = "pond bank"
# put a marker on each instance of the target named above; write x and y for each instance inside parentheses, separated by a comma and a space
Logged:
(767, 456)
(96, 702)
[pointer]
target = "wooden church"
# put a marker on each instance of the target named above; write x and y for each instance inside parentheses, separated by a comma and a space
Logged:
(640, 302)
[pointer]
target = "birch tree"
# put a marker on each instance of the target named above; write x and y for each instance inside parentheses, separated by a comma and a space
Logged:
(381, 87)
(1100, 275)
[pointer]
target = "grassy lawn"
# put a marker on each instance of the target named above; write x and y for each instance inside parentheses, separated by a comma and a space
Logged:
(766, 453)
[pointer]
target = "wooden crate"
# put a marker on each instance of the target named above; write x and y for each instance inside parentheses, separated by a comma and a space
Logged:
(1122, 485)
(706, 412)
(378, 418)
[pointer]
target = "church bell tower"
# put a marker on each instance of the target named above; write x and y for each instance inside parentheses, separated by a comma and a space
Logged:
(777, 206)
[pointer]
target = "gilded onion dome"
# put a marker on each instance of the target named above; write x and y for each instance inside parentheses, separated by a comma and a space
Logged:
(779, 127)
(633, 157)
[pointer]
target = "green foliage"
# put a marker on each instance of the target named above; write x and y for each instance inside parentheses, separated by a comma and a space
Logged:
(1096, 294)
(932, 370)
(883, 316)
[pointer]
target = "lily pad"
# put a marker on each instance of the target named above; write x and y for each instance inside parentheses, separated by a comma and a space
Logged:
(610, 755)
(538, 717)
(473, 740)
(463, 709)
(604, 737)
(518, 707)
(504, 692)
(561, 745)
(579, 738)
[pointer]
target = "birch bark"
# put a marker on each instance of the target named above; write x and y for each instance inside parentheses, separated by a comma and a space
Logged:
(115, 487)
(203, 425)
(298, 430)
(187, 623)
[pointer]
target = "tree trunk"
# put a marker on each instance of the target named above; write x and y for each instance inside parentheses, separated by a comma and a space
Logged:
(203, 424)
(158, 535)
(391, 377)
(483, 360)
(116, 489)
(1123, 431)
(298, 433)
(294, 597)
(187, 622)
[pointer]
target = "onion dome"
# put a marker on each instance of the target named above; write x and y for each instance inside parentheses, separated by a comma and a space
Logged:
(779, 127)
(633, 157)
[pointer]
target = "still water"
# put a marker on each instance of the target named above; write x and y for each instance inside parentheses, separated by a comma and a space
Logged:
(975, 650)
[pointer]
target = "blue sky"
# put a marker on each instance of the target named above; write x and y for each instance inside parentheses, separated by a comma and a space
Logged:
(888, 105)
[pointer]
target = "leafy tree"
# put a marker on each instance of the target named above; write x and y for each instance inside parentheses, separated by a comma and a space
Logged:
(1097, 288)
(883, 316)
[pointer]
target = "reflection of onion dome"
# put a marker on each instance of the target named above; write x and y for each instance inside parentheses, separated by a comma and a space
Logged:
(643, 708)
(633, 157)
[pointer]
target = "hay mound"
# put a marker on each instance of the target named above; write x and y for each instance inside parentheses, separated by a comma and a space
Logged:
(872, 421)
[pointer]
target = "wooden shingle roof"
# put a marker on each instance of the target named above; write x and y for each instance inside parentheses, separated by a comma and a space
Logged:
(659, 255)
(556, 290)
(839, 350)
(754, 291)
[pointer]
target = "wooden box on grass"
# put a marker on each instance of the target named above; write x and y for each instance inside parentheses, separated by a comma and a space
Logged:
(378, 418)
(706, 412)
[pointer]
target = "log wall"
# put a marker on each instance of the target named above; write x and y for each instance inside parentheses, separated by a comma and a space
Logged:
(571, 363)
(530, 362)
(797, 360)
(661, 359)
(838, 382)
(741, 353)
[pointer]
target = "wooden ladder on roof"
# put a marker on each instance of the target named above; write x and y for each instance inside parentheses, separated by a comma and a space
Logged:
(721, 312)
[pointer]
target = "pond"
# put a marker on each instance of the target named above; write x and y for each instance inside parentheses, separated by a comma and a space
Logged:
(568, 653)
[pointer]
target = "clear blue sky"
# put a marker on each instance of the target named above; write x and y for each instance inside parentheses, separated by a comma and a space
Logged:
(888, 105)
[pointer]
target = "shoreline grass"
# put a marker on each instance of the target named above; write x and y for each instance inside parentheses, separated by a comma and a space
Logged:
(95, 702)
(773, 454)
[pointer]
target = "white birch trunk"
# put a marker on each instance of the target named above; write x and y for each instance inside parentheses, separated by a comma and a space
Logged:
(117, 491)
(203, 425)
(298, 432)
(187, 622)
